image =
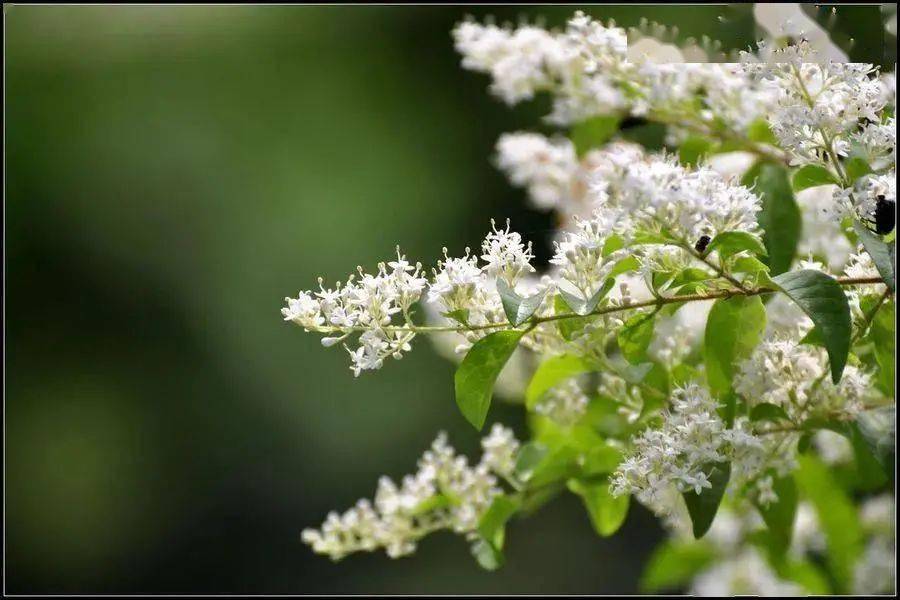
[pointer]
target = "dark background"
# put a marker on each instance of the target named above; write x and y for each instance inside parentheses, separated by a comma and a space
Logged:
(172, 174)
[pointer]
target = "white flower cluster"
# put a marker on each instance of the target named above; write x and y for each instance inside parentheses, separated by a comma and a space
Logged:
(661, 195)
(589, 70)
(820, 104)
(529, 59)
(378, 306)
(679, 454)
(863, 197)
(794, 376)
(445, 493)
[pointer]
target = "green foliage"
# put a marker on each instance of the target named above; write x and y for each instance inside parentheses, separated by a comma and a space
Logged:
(780, 217)
(729, 243)
(856, 167)
(733, 329)
(812, 175)
(882, 254)
(822, 298)
(779, 515)
(607, 512)
(704, 506)
(759, 131)
(765, 411)
(673, 564)
(475, 376)
(593, 132)
(551, 372)
(882, 336)
(584, 306)
(518, 309)
(635, 336)
(693, 150)
(837, 516)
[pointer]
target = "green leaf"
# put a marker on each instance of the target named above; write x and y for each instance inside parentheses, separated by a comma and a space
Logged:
(635, 337)
(517, 308)
(779, 516)
(460, 315)
(759, 131)
(837, 518)
(593, 132)
(624, 265)
(811, 176)
(583, 307)
(879, 430)
(693, 150)
(703, 506)
(882, 335)
(568, 328)
(856, 167)
(805, 573)
(601, 460)
(730, 243)
(488, 557)
(780, 217)
(765, 411)
(822, 298)
(879, 251)
(733, 329)
(492, 524)
(607, 512)
(673, 564)
(475, 376)
(551, 372)
(528, 459)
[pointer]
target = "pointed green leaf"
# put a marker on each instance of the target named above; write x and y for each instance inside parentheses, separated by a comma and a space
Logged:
(780, 217)
(856, 167)
(635, 336)
(837, 518)
(607, 512)
(693, 150)
(704, 506)
(488, 557)
(880, 253)
(765, 411)
(779, 515)
(551, 372)
(812, 175)
(517, 308)
(733, 329)
(730, 243)
(673, 564)
(582, 307)
(475, 376)
(593, 132)
(822, 298)
(759, 131)
(492, 524)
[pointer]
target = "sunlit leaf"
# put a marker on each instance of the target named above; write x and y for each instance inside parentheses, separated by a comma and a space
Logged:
(780, 217)
(812, 175)
(733, 328)
(607, 512)
(518, 309)
(551, 372)
(635, 336)
(475, 376)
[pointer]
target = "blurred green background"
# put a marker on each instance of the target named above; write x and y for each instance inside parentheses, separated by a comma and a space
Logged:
(172, 174)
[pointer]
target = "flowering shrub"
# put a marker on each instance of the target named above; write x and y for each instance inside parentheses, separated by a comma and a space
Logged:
(715, 343)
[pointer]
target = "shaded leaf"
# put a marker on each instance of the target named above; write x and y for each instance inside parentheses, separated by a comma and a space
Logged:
(837, 517)
(730, 243)
(704, 506)
(635, 337)
(765, 411)
(779, 515)
(673, 564)
(780, 217)
(822, 298)
(880, 252)
(733, 328)
(693, 150)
